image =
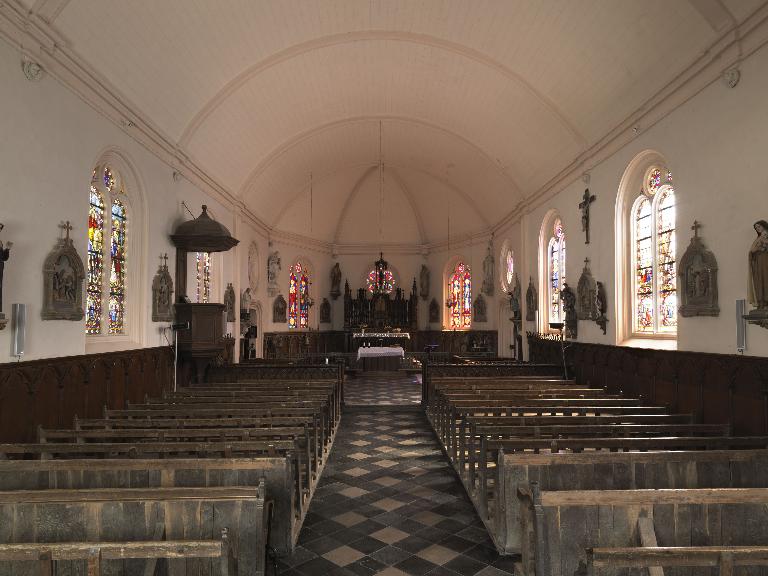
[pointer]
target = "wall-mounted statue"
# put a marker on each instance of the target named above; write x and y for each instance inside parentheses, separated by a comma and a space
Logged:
(278, 310)
(335, 281)
(424, 282)
(586, 294)
(63, 275)
(253, 267)
(274, 267)
(5, 253)
(479, 309)
(758, 276)
(229, 302)
(531, 301)
(568, 298)
(162, 293)
(586, 200)
(516, 302)
(488, 271)
(602, 307)
(698, 279)
(245, 300)
(434, 312)
(325, 311)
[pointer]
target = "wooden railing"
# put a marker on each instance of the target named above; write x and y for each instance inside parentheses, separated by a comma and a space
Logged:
(52, 391)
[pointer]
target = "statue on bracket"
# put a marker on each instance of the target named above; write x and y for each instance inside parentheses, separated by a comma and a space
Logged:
(162, 293)
(335, 281)
(273, 271)
(434, 312)
(586, 291)
(229, 302)
(569, 309)
(63, 275)
(758, 276)
(424, 282)
(602, 307)
(488, 271)
(325, 311)
(479, 309)
(698, 278)
(531, 301)
(245, 300)
(5, 253)
(278, 310)
(515, 302)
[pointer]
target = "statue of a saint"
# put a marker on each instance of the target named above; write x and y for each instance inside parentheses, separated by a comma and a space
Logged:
(335, 281)
(273, 270)
(424, 282)
(758, 267)
(229, 302)
(488, 274)
(245, 300)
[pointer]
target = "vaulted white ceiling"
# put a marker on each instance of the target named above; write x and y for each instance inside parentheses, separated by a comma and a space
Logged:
(480, 103)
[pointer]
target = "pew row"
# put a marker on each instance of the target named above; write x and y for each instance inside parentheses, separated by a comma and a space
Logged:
(129, 514)
(559, 527)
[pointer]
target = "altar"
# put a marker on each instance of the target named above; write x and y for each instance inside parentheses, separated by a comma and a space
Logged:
(380, 358)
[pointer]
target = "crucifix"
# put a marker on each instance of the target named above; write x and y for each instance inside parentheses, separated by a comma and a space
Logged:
(695, 228)
(164, 261)
(67, 227)
(587, 199)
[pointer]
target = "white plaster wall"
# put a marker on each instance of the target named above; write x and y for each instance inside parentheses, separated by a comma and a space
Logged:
(51, 142)
(715, 145)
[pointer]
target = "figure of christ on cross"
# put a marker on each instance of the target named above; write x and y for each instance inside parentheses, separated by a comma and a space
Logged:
(587, 199)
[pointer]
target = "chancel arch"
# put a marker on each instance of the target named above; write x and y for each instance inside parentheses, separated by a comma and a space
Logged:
(646, 270)
(115, 256)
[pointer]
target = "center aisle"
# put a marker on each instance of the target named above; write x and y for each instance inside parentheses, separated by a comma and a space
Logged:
(390, 504)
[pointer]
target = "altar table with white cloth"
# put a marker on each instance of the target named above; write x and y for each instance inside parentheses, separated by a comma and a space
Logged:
(377, 358)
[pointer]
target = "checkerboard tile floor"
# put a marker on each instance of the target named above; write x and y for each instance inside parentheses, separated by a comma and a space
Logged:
(389, 508)
(383, 388)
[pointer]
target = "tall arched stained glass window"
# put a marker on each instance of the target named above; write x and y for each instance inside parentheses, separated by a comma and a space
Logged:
(556, 271)
(460, 297)
(106, 292)
(95, 274)
(203, 276)
(298, 297)
(655, 273)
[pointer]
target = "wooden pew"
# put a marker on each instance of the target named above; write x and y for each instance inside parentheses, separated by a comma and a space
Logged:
(127, 514)
(277, 473)
(609, 471)
(724, 558)
(94, 554)
(559, 527)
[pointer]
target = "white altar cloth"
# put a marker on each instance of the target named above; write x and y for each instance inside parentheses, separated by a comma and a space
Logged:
(378, 351)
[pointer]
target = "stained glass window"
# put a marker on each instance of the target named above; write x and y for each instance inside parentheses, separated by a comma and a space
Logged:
(389, 281)
(117, 272)
(556, 271)
(95, 274)
(460, 297)
(655, 274)
(106, 191)
(203, 271)
(298, 297)
(509, 268)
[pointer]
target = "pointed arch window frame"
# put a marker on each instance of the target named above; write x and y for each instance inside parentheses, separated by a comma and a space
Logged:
(110, 254)
(458, 286)
(297, 314)
(656, 188)
(556, 244)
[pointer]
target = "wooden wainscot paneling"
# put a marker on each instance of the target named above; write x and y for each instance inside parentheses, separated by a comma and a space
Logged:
(51, 392)
(716, 388)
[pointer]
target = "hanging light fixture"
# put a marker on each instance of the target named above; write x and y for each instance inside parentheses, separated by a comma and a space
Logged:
(381, 266)
(450, 302)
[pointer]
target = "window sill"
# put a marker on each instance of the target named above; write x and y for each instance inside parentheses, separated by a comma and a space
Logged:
(114, 343)
(651, 343)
